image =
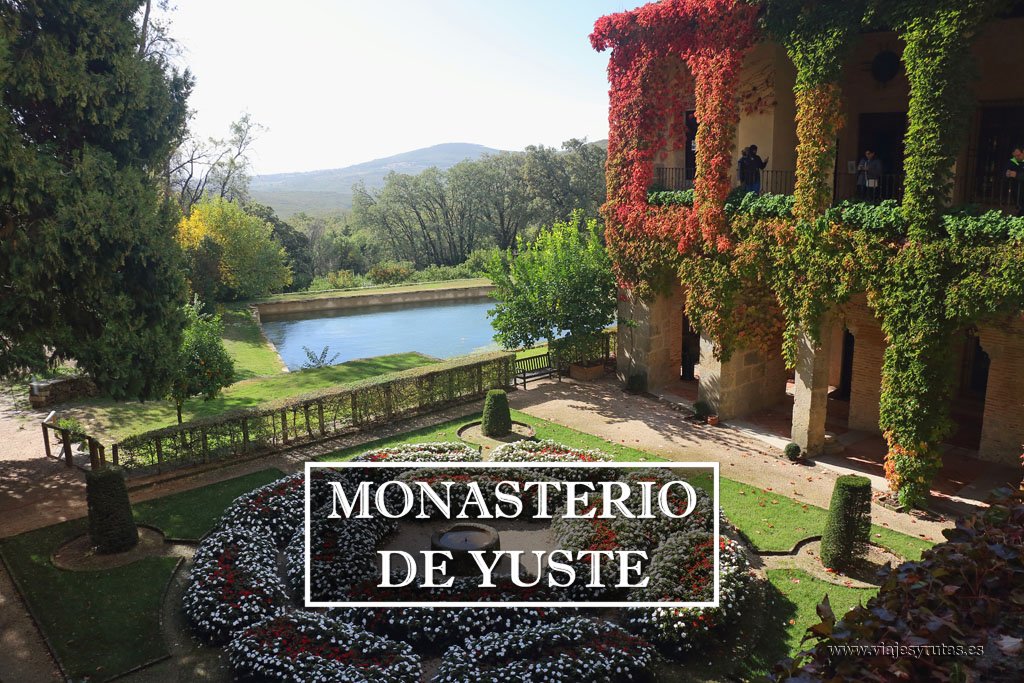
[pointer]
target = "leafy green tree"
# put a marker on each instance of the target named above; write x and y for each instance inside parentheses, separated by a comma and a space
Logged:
(562, 181)
(89, 268)
(504, 197)
(295, 243)
(561, 284)
(202, 364)
(252, 262)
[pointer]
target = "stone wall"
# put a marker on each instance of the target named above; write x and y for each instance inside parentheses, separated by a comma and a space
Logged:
(749, 381)
(868, 348)
(650, 338)
(45, 393)
(1002, 431)
(268, 309)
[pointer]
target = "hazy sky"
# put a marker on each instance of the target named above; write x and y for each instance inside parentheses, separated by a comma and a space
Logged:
(338, 82)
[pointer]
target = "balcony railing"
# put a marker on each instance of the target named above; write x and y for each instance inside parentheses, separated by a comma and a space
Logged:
(992, 191)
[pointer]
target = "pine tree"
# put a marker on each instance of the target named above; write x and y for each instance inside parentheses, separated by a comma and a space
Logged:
(89, 267)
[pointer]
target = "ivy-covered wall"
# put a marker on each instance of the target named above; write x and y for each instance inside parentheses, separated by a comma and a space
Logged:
(752, 267)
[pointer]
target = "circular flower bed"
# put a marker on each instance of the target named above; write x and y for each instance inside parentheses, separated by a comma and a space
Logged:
(572, 650)
(234, 583)
(682, 569)
(303, 646)
(237, 588)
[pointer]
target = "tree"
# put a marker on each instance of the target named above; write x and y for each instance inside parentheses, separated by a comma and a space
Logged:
(213, 168)
(89, 268)
(560, 284)
(503, 194)
(560, 182)
(252, 263)
(202, 366)
(296, 245)
(428, 219)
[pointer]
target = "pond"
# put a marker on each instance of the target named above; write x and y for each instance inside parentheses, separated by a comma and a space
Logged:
(439, 329)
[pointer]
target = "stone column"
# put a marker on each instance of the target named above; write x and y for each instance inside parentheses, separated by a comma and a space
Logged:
(652, 343)
(868, 352)
(810, 396)
(1002, 428)
(751, 380)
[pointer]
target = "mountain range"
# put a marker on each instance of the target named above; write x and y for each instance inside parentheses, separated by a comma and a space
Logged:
(330, 190)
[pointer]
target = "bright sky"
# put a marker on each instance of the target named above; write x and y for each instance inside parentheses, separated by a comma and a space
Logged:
(339, 82)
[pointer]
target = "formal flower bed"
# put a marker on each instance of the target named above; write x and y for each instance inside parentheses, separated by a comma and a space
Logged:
(303, 646)
(682, 569)
(234, 583)
(576, 649)
(549, 451)
(275, 509)
(237, 589)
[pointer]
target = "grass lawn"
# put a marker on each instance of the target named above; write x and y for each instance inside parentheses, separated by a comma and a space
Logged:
(115, 420)
(384, 289)
(103, 623)
(190, 514)
(244, 342)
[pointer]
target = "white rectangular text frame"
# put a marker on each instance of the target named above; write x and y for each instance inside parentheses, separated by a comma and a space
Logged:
(713, 466)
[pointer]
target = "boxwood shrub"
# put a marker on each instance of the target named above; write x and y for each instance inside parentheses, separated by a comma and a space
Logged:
(111, 525)
(848, 525)
(497, 420)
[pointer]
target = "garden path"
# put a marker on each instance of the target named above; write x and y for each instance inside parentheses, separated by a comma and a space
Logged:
(601, 408)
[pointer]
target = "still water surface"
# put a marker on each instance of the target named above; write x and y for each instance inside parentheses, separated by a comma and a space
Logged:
(442, 330)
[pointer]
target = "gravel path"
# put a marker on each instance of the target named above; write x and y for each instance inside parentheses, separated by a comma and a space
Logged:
(601, 408)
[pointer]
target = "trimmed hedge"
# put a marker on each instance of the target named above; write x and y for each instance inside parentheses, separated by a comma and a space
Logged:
(793, 451)
(111, 525)
(497, 420)
(317, 416)
(848, 525)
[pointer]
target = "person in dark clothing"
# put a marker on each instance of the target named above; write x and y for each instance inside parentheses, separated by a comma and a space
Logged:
(751, 166)
(1015, 178)
(869, 176)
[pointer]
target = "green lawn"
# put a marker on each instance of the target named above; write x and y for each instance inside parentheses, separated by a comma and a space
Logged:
(244, 342)
(114, 420)
(103, 623)
(190, 514)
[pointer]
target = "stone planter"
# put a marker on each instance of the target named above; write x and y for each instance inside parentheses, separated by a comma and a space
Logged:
(586, 373)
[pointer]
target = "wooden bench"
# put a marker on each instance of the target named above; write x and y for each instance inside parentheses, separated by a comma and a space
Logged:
(534, 367)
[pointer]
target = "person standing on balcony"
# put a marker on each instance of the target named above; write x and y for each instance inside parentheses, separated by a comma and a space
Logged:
(1015, 178)
(751, 166)
(869, 176)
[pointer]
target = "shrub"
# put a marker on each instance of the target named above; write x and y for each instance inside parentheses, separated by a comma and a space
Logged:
(391, 272)
(793, 451)
(848, 525)
(962, 602)
(702, 410)
(637, 383)
(111, 525)
(497, 420)
(303, 646)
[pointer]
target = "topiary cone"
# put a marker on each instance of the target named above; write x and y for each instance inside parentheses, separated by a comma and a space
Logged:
(497, 419)
(848, 525)
(111, 525)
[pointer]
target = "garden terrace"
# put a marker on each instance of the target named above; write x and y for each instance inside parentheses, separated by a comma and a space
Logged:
(734, 292)
(316, 416)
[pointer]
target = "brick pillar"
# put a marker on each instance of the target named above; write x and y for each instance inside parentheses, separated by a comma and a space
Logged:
(866, 387)
(810, 397)
(652, 343)
(1002, 429)
(749, 381)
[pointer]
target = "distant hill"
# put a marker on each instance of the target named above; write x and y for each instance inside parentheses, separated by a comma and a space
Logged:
(319, 192)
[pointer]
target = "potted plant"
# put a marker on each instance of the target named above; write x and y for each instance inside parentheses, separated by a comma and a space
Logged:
(713, 420)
